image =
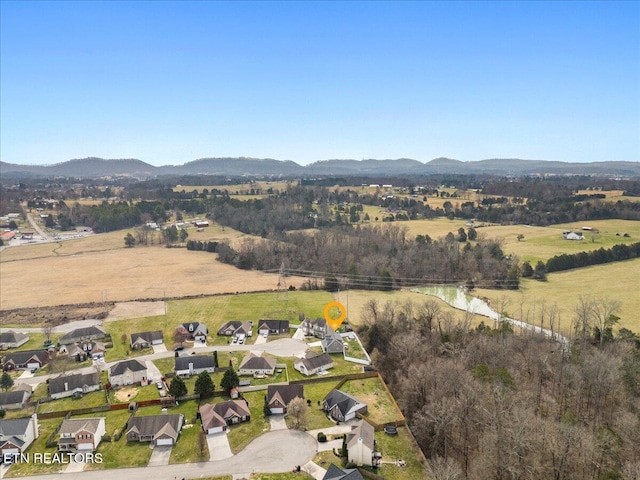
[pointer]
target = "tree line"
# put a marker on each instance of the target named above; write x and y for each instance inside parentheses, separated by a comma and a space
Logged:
(617, 253)
(487, 403)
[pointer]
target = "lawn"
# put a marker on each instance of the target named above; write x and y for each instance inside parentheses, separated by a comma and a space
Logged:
(281, 476)
(122, 454)
(133, 393)
(316, 393)
(117, 329)
(381, 408)
(62, 364)
(114, 419)
(397, 447)
(187, 449)
(35, 342)
(241, 435)
(89, 400)
(23, 469)
(341, 367)
(616, 281)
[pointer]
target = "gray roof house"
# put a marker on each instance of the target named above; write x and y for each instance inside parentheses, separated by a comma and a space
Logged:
(253, 365)
(25, 359)
(332, 342)
(86, 333)
(75, 384)
(235, 328)
(196, 330)
(279, 396)
(81, 434)
(15, 399)
(314, 327)
(159, 429)
(341, 406)
(11, 339)
(17, 434)
(194, 364)
(361, 444)
(336, 473)
(146, 339)
(313, 363)
(128, 372)
(273, 327)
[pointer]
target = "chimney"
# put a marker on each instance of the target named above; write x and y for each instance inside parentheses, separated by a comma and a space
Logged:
(66, 386)
(36, 430)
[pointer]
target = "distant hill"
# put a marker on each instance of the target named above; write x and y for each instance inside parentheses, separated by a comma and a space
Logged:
(98, 167)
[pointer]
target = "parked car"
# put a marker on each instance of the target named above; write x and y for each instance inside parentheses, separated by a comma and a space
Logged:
(178, 349)
(159, 385)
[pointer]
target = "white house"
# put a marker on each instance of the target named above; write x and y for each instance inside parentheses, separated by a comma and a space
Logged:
(361, 444)
(195, 364)
(17, 434)
(254, 365)
(313, 363)
(74, 384)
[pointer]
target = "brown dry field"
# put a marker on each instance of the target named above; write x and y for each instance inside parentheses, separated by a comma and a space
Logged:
(99, 268)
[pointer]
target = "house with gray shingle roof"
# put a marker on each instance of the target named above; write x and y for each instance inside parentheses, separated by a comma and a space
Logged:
(336, 473)
(188, 365)
(313, 363)
(146, 339)
(11, 339)
(361, 444)
(159, 429)
(25, 359)
(332, 342)
(15, 399)
(17, 434)
(74, 384)
(255, 365)
(93, 332)
(128, 372)
(81, 434)
(279, 396)
(341, 406)
(216, 417)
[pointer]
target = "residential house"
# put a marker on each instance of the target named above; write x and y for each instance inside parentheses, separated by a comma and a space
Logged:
(332, 342)
(146, 339)
(314, 328)
(75, 384)
(128, 372)
(15, 399)
(341, 406)
(12, 339)
(273, 327)
(81, 434)
(216, 417)
(93, 332)
(361, 444)
(236, 328)
(257, 366)
(17, 434)
(313, 363)
(158, 429)
(196, 331)
(279, 396)
(336, 473)
(83, 349)
(25, 360)
(194, 364)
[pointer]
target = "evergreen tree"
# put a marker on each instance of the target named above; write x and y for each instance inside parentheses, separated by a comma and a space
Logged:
(177, 388)
(204, 385)
(6, 382)
(229, 380)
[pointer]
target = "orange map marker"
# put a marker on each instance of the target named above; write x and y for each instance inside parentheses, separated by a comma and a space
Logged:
(335, 323)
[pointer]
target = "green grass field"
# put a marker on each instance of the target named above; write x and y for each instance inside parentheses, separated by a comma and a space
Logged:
(242, 434)
(92, 399)
(381, 408)
(617, 281)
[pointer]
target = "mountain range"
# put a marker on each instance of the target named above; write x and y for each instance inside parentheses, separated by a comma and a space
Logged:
(98, 167)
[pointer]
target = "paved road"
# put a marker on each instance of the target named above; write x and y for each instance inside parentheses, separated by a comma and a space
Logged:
(283, 347)
(271, 452)
(37, 228)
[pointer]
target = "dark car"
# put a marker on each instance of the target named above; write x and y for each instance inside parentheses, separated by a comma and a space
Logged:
(178, 349)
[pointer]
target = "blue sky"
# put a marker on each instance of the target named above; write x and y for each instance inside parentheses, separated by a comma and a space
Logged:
(172, 82)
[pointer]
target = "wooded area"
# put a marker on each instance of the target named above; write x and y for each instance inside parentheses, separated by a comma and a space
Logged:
(487, 403)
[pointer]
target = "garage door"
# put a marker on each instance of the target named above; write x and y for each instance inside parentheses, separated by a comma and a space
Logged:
(164, 441)
(277, 410)
(85, 446)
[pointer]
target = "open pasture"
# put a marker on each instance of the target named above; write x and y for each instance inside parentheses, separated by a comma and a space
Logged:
(616, 281)
(123, 274)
